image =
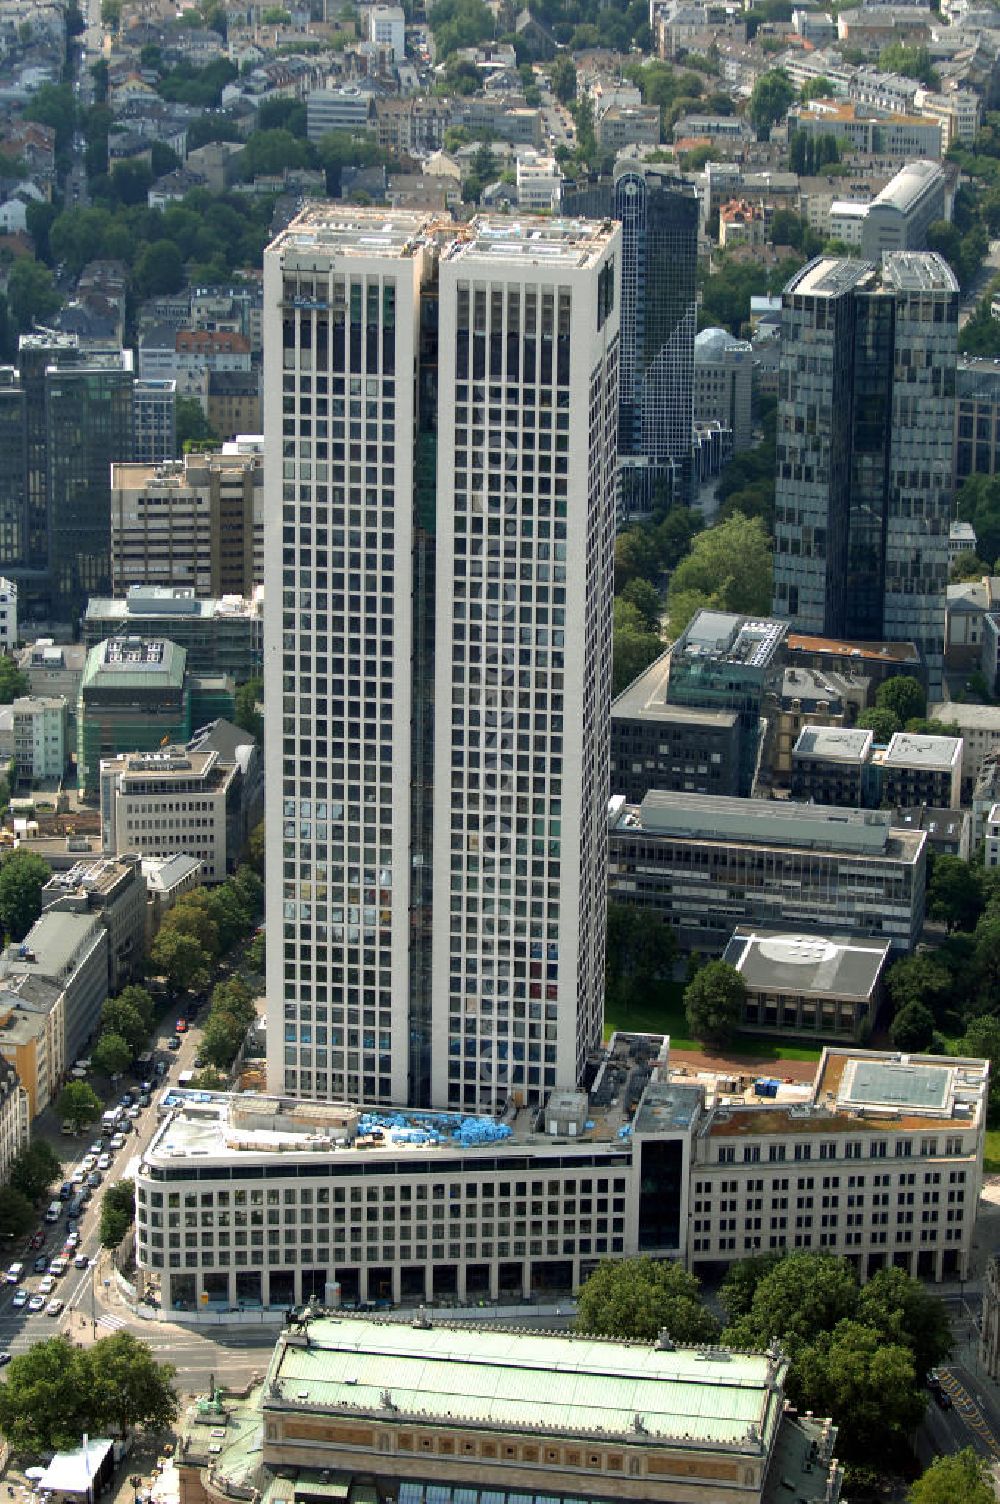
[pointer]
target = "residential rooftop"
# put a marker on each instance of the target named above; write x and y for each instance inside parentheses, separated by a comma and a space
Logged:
(934, 753)
(850, 745)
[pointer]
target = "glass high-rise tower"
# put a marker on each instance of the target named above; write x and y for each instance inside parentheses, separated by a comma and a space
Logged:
(864, 450)
(438, 608)
(659, 319)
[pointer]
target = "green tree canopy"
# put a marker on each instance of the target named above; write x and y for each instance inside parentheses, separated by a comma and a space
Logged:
(139, 1000)
(34, 1169)
(729, 568)
(181, 958)
(912, 62)
(802, 1295)
(119, 1017)
(562, 76)
(45, 1401)
(962, 1478)
(772, 97)
(459, 23)
(955, 893)
(221, 1038)
(868, 1385)
(902, 1309)
(17, 1215)
(117, 1212)
(714, 1001)
(158, 268)
(13, 681)
(903, 695)
(912, 1028)
(640, 1298)
(78, 1104)
(920, 978)
(882, 722)
(193, 428)
(112, 1054)
(32, 296)
(634, 646)
(248, 717)
(22, 877)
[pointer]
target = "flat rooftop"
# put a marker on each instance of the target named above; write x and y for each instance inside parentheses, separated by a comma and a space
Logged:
(918, 271)
(766, 822)
(646, 699)
(221, 1125)
(830, 276)
(573, 243)
(349, 230)
(100, 876)
(752, 641)
(562, 1384)
(50, 947)
(941, 754)
(849, 745)
(854, 1089)
(807, 965)
(165, 601)
(894, 652)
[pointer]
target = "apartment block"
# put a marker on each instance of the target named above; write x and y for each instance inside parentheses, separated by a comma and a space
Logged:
(15, 1129)
(162, 802)
(52, 987)
(977, 417)
(704, 864)
(915, 770)
(114, 890)
(189, 523)
(830, 765)
(154, 421)
(9, 638)
(40, 735)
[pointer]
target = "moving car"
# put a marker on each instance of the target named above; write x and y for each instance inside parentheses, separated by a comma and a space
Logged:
(54, 1308)
(36, 1303)
(81, 1261)
(174, 1042)
(41, 1263)
(47, 1285)
(180, 1027)
(94, 1179)
(14, 1273)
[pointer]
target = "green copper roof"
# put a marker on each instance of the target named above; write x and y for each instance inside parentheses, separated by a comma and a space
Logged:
(564, 1384)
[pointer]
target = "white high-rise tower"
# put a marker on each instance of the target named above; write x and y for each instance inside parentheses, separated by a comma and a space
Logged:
(438, 652)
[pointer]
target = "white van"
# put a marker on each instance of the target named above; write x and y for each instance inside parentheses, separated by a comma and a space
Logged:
(54, 1212)
(14, 1273)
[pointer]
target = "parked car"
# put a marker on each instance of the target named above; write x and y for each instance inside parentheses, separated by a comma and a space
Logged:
(54, 1308)
(38, 1238)
(36, 1303)
(20, 1300)
(46, 1285)
(88, 1162)
(118, 1142)
(174, 1042)
(180, 1027)
(94, 1179)
(104, 1163)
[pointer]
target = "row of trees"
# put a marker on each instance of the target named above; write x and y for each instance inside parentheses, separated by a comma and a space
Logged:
(857, 1353)
(202, 926)
(57, 1392)
(31, 1176)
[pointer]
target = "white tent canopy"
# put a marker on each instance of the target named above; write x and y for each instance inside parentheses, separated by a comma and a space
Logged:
(74, 1472)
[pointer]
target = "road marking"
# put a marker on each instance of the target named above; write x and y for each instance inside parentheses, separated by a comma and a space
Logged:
(116, 1323)
(970, 1412)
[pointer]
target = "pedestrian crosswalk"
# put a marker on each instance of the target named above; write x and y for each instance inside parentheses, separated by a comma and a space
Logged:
(113, 1323)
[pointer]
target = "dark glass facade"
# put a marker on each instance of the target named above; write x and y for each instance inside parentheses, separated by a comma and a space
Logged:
(659, 218)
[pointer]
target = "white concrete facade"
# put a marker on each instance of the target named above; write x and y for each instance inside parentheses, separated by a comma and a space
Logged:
(525, 537)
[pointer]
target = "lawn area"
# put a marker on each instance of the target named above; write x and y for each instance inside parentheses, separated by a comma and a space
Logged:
(991, 1152)
(664, 1014)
